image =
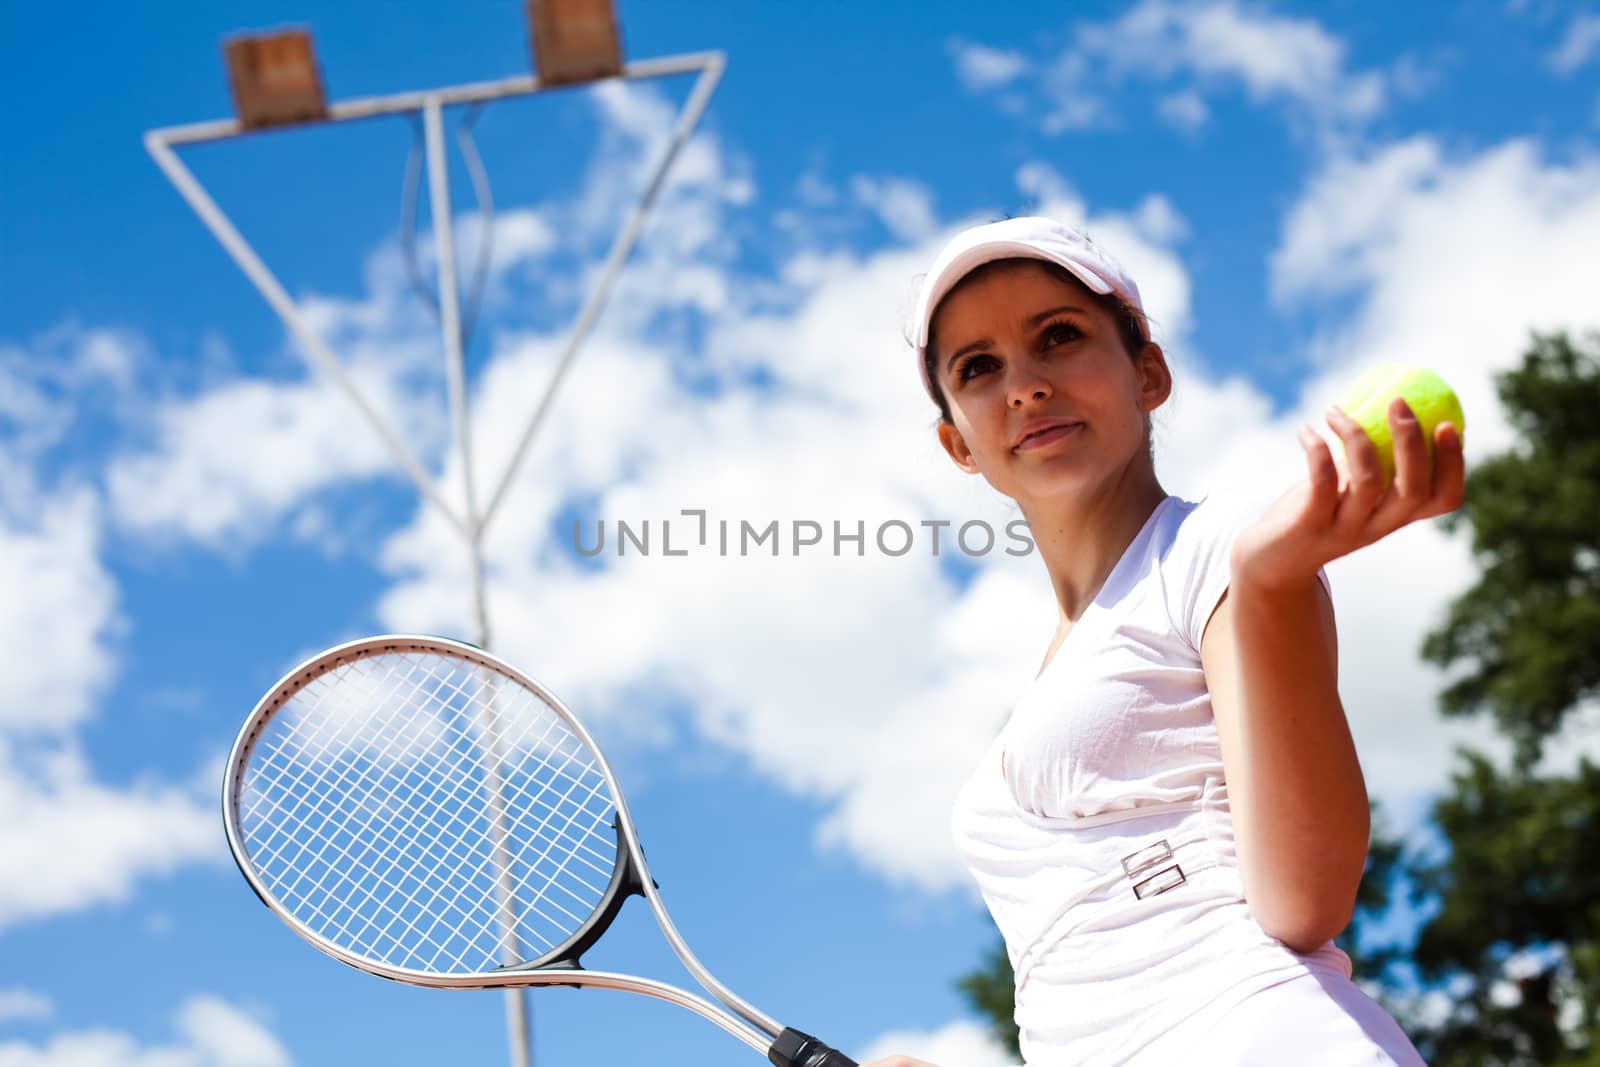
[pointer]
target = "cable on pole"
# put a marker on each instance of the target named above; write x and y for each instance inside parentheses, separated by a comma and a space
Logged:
(410, 188)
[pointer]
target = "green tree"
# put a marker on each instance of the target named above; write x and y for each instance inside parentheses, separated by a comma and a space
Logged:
(991, 990)
(1516, 935)
(1513, 938)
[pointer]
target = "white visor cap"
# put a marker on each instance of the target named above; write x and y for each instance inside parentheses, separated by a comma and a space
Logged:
(1030, 237)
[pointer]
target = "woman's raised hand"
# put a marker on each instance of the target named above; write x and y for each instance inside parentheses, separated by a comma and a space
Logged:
(1338, 510)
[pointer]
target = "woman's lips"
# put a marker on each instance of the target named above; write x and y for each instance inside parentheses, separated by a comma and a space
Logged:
(1045, 437)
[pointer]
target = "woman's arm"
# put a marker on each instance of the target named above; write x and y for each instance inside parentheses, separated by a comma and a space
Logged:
(1299, 801)
(1270, 655)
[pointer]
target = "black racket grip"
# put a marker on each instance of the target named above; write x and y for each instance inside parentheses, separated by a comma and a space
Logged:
(794, 1049)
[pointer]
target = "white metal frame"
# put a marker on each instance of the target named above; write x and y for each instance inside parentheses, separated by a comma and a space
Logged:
(161, 144)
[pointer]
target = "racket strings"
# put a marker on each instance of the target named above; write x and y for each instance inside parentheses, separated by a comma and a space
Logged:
(459, 854)
(336, 922)
(443, 912)
(427, 813)
(363, 786)
(596, 860)
(538, 909)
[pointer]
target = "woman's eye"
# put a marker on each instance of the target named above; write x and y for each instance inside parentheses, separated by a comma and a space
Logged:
(973, 366)
(1061, 332)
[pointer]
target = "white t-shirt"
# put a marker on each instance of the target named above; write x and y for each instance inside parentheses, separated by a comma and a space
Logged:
(1111, 764)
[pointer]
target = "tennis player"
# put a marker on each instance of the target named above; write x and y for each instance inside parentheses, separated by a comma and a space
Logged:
(1172, 825)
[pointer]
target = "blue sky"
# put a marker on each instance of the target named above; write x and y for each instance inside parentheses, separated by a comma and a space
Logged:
(185, 509)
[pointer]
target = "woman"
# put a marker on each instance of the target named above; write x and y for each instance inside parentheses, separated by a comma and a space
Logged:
(1172, 825)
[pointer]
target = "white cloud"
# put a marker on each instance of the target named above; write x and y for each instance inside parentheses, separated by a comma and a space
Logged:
(1186, 110)
(1345, 216)
(1412, 76)
(229, 464)
(957, 1044)
(225, 465)
(1273, 56)
(519, 237)
(981, 68)
(1195, 49)
(688, 237)
(71, 843)
(210, 1033)
(59, 613)
(224, 1035)
(1073, 87)
(905, 207)
(46, 384)
(814, 190)
(60, 609)
(1452, 263)
(1159, 221)
(24, 1004)
(1579, 43)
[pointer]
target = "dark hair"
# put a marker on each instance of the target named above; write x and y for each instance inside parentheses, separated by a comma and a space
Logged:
(1130, 321)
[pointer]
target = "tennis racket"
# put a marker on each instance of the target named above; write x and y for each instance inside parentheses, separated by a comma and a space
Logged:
(423, 811)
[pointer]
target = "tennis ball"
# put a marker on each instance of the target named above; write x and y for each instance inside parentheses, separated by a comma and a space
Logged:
(1431, 399)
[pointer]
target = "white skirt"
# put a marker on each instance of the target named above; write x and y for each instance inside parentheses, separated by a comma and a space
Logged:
(1183, 976)
(1318, 1019)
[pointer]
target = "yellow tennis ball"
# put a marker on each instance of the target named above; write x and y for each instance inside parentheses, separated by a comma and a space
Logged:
(1431, 399)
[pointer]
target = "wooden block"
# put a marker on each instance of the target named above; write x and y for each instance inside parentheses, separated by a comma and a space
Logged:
(574, 40)
(274, 79)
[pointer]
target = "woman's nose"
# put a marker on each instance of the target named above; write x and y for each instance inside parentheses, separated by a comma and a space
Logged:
(1028, 385)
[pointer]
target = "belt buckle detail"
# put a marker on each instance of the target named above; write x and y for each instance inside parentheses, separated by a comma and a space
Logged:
(1136, 863)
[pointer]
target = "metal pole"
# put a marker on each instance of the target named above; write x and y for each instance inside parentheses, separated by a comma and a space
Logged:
(399, 103)
(450, 327)
(471, 525)
(620, 248)
(272, 290)
(518, 1010)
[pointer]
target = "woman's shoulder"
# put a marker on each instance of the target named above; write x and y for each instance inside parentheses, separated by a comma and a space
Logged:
(1203, 531)
(1199, 535)
(1219, 513)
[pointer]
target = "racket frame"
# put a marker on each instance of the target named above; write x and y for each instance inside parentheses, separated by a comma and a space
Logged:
(733, 1014)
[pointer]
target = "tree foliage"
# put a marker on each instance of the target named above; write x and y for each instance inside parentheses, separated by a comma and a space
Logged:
(1518, 927)
(991, 990)
(1511, 947)
(1516, 935)
(1530, 627)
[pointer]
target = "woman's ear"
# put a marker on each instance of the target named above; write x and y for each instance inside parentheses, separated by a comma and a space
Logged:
(1155, 377)
(953, 443)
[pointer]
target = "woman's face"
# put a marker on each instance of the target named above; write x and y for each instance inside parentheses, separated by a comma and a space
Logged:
(1043, 396)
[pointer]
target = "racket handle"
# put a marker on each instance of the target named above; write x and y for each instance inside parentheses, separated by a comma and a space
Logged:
(794, 1049)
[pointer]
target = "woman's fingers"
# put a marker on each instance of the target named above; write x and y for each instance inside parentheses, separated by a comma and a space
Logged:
(1362, 468)
(1412, 491)
(1449, 469)
(1362, 506)
(1322, 475)
(1413, 474)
